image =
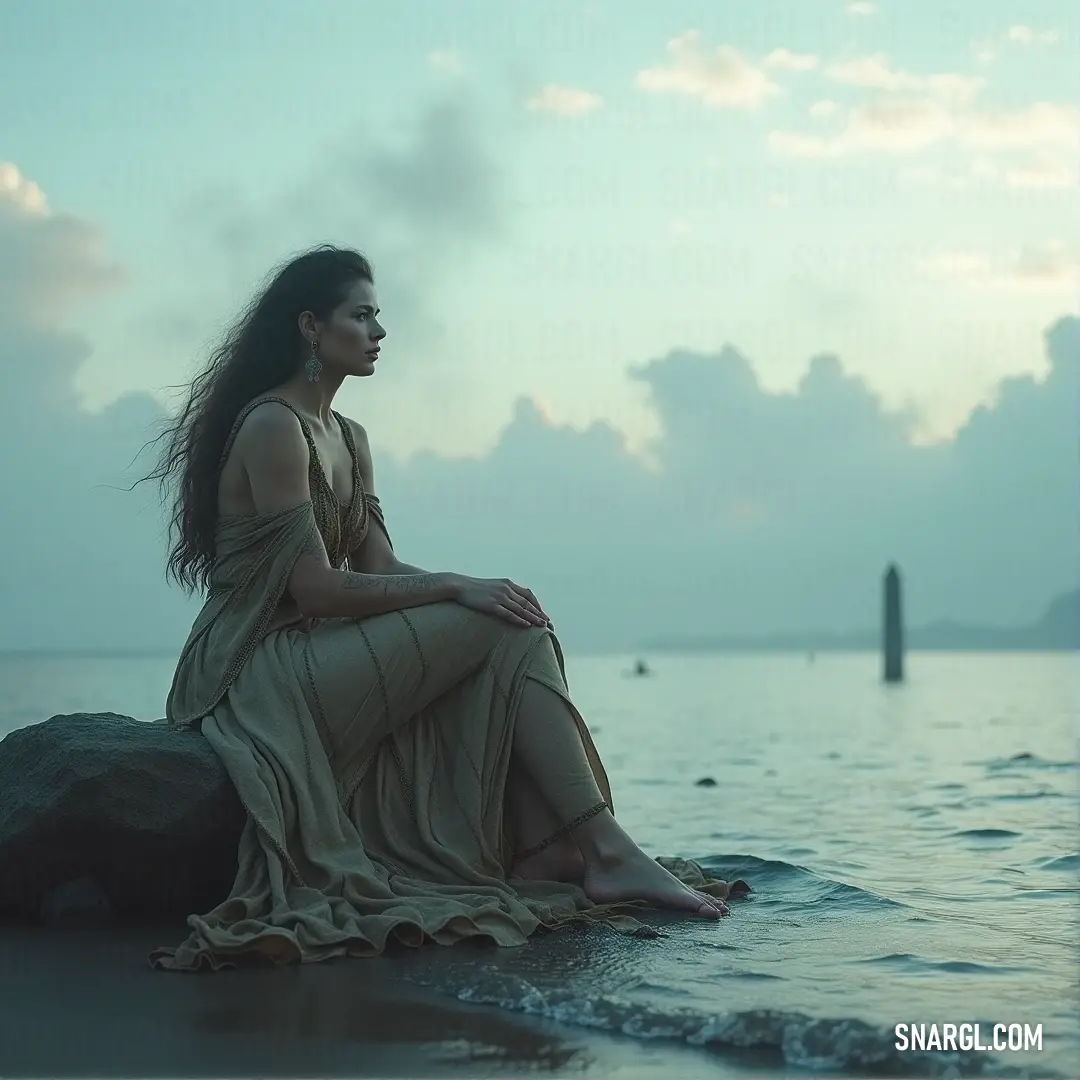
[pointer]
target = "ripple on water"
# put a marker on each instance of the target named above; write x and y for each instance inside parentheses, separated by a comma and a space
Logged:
(1066, 863)
(986, 834)
(1022, 796)
(914, 964)
(1049, 894)
(1025, 762)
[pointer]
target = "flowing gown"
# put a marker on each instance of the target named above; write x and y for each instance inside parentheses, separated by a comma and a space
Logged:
(371, 755)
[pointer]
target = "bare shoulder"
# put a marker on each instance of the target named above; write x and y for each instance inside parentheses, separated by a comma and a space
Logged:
(271, 428)
(267, 467)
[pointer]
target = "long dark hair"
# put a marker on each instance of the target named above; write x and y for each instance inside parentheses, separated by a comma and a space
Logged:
(261, 350)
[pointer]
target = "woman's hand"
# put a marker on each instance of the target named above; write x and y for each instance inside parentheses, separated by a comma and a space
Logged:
(501, 597)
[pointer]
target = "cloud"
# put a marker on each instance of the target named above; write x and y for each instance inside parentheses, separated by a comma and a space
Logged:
(860, 8)
(722, 79)
(1043, 172)
(443, 179)
(448, 61)
(1050, 267)
(985, 50)
(49, 262)
(897, 127)
(905, 124)
(956, 265)
(82, 560)
(19, 195)
(564, 101)
(435, 187)
(786, 60)
(424, 203)
(1024, 35)
(754, 510)
(875, 73)
(907, 113)
(763, 510)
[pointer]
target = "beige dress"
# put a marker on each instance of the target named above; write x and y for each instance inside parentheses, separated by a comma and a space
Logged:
(371, 755)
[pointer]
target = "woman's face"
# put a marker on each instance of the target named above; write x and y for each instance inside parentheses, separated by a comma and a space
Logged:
(349, 339)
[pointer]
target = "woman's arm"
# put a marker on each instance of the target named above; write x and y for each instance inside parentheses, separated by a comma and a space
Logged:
(275, 457)
(374, 558)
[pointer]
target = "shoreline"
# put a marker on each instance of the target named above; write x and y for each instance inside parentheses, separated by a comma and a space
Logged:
(82, 1001)
(119, 1016)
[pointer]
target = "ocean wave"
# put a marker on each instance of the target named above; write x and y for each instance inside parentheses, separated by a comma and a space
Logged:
(697, 988)
(782, 883)
(769, 1037)
(1026, 761)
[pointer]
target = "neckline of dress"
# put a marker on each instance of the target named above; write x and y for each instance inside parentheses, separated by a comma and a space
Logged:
(314, 450)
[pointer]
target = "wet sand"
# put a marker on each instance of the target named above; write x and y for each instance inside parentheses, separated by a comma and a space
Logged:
(83, 1002)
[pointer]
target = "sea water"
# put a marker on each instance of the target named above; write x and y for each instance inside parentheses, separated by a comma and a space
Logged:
(912, 849)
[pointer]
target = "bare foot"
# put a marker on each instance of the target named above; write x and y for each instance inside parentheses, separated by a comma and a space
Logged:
(634, 876)
(561, 861)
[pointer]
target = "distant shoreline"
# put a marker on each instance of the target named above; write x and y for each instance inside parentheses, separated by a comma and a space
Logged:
(1058, 631)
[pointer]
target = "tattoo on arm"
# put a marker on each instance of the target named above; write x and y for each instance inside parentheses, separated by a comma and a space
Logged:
(407, 583)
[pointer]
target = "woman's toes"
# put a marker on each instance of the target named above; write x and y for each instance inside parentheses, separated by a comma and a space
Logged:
(712, 901)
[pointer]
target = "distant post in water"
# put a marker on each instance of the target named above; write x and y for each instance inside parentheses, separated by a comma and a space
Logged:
(893, 637)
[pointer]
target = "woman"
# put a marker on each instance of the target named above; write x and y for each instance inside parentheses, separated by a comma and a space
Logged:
(403, 742)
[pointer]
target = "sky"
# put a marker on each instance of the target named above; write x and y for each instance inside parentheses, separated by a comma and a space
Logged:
(698, 313)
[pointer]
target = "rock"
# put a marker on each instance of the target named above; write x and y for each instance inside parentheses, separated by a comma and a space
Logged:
(101, 813)
(80, 901)
(705, 781)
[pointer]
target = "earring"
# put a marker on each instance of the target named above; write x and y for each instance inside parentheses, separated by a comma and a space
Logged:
(313, 365)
